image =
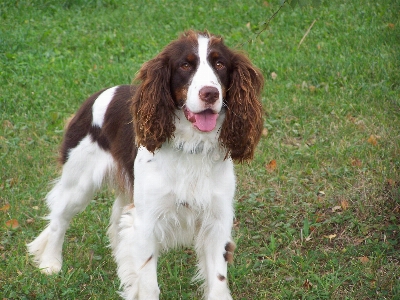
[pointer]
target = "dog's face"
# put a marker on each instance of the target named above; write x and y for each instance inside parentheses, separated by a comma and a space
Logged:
(199, 79)
(211, 84)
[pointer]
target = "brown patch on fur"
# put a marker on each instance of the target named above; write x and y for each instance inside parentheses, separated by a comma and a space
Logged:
(221, 277)
(152, 104)
(119, 132)
(78, 127)
(185, 204)
(146, 262)
(229, 248)
(116, 135)
(242, 128)
(128, 207)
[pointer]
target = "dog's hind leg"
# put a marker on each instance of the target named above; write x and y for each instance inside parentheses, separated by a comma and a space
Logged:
(113, 230)
(82, 175)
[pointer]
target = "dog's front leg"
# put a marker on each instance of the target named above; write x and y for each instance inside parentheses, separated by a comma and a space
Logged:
(215, 250)
(136, 256)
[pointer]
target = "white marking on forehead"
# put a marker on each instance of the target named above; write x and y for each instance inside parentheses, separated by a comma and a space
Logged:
(203, 76)
(203, 49)
(100, 106)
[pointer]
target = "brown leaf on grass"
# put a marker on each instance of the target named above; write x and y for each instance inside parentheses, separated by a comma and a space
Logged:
(363, 259)
(391, 182)
(320, 218)
(271, 166)
(5, 207)
(274, 75)
(344, 204)
(307, 284)
(336, 208)
(391, 26)
(355, 162)
(12, 224)
(358, 241)
(373, 140)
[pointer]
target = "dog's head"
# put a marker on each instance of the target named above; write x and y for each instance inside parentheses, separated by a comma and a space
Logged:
(207, 81)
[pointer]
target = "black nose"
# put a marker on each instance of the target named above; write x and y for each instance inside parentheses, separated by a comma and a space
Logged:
(209, 94)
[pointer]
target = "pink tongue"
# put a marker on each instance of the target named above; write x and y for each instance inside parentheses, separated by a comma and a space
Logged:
(204, 121)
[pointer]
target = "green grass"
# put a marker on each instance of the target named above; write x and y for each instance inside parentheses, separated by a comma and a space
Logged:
(332, 120)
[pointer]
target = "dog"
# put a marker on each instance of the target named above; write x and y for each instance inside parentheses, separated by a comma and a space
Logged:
(168, 144)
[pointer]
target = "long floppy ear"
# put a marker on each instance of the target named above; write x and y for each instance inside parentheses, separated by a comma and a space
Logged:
(152, 104)
(242, 128)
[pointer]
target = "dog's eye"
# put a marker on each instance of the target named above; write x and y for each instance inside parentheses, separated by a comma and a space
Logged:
(186, 66)
(219, 65)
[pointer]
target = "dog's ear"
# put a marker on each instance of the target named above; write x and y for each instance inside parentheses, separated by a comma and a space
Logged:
(242, 128)
(152, 104)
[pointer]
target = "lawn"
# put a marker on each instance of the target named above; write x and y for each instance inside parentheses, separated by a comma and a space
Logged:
(317, 211)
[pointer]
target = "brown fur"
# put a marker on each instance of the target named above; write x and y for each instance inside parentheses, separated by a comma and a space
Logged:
(229, 248)
(77, 127)
(243, 123)
(153, 104)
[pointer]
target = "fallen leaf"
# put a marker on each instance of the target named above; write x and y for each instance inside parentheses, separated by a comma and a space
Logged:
(248, 25)
(344, 204)
(271, 166)
(274, 75)
(373, 140)
(12, 224)
(30, 221)
(363, 259)
(358, 241)
(312, 88)
(356, 162)
(265, 132)
(330, 237)
(336, 208)
(5, 207)
(391, 25)
(307, 284)
(391, 182)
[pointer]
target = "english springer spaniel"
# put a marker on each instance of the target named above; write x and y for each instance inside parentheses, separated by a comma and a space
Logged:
(167, 144)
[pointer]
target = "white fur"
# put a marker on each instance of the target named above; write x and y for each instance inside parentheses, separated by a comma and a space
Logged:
(100, 106)
(180, 199)
(82, 175)
(204, 76)
(183, 196)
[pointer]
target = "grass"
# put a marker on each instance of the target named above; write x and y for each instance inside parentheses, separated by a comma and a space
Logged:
(318, 210)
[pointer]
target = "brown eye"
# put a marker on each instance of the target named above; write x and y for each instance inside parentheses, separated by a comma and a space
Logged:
(219, 65)
(185, 66)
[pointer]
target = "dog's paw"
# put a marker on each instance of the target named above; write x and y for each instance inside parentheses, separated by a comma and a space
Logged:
(50, 266)
(219, 292)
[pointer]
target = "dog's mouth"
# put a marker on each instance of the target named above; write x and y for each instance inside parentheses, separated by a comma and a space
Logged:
(204, 121)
